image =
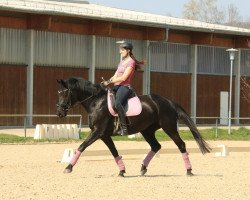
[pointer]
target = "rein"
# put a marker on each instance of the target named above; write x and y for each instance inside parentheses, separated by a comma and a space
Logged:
(87, 98)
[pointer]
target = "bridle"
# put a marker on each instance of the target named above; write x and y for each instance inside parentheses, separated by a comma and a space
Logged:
(66, 106)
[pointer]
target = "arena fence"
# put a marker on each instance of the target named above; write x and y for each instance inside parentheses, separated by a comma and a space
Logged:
(215, 122)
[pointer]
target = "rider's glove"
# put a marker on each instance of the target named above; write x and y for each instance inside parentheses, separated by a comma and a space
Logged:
(106, 83)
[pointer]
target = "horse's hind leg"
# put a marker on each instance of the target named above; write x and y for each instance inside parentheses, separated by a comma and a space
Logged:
(149, 135)
(174, 135)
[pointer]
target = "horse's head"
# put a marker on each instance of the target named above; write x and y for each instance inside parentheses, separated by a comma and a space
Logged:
(75, 90)
(67, 97)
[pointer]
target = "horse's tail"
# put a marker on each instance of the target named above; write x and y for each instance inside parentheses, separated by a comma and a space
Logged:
(182, 115)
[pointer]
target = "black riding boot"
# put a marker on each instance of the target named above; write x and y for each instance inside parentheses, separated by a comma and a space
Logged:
(123, 124)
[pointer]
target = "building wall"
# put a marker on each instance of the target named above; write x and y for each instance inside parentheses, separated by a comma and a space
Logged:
(176, 87)
(62, 49)
(13, 93)
(245, 99)
(208, 96)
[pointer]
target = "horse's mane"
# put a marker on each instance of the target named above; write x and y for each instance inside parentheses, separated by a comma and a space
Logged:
(85, 85)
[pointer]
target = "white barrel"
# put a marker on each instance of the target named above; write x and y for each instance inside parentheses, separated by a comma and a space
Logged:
(64, 131)
(37, 134)
(76, 131)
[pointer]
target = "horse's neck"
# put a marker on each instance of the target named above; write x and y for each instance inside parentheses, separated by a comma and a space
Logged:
(92, 104)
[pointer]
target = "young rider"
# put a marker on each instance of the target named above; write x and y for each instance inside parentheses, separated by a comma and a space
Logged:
(121, 80)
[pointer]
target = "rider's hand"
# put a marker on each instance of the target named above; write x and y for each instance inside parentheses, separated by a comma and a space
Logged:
(106, 83)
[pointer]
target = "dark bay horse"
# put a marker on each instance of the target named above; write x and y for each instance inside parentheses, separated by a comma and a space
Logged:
(157, 112)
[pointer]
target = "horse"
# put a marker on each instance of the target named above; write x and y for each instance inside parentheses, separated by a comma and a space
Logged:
(157, 112)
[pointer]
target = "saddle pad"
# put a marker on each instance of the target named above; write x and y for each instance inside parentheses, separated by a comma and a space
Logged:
(134, 106)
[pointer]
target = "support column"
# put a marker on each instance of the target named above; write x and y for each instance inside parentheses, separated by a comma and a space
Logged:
(237, 71)
(92, 56)
(30, 73)
(194, 60)
(146, 68)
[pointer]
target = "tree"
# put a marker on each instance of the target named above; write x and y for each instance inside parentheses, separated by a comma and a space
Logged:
(208, 11)
(233, 16)
(203, 10)
(191, 10)
(245, 88)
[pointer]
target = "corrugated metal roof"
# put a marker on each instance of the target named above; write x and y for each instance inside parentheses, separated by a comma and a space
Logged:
(115, 14)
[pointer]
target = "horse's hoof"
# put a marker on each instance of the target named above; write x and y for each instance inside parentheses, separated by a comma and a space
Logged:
(68, 169)
(189, 172)
(121, 173)
(143, 170)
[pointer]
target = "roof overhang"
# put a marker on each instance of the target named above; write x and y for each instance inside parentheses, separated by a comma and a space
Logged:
(92, 11)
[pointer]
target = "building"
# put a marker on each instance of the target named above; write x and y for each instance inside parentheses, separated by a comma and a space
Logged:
(41, 41)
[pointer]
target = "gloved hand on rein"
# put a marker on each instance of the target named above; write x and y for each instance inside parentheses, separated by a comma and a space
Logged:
(106, 83)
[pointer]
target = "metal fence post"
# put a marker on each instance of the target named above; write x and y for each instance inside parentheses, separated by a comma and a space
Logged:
(80, 125)
(216, 129)
(25, 124)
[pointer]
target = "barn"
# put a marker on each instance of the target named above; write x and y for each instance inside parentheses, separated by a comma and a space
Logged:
(186, 61)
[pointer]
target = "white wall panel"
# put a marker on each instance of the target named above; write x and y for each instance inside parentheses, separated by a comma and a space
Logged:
(213, 60)
(169, 57)
(12, 46)
(245, 62)
(60, 49)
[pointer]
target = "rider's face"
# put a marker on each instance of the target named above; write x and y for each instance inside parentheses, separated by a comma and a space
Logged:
(124, 52)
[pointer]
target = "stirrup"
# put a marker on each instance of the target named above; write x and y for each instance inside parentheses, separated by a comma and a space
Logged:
(122, 132)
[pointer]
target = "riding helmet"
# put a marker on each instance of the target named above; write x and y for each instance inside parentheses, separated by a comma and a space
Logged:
(127, 45)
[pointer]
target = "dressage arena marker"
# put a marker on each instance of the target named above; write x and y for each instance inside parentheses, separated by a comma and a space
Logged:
(136, 135)
(67, 155)
(224, 151)
(56, 131)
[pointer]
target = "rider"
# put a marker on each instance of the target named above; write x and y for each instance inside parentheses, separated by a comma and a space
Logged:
(121, 80)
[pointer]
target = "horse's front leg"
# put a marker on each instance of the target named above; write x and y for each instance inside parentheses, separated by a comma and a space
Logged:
(118, 159)
(89, 140)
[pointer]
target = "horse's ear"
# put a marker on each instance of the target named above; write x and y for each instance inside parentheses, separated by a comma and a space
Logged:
(62, 83)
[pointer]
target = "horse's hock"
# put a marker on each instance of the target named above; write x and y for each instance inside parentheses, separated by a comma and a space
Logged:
(56, 131)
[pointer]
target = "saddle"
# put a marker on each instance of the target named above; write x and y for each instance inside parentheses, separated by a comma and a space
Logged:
(133, 106)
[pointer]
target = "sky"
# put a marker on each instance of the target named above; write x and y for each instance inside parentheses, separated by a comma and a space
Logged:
(172, 8)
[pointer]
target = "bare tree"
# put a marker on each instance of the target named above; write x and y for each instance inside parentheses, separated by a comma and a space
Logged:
(190, 10)
(203, 10)
(233, 16)
(245, 24)
(245, 88)
(209, 12)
